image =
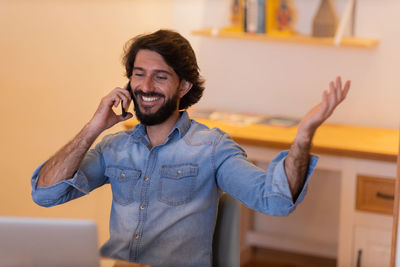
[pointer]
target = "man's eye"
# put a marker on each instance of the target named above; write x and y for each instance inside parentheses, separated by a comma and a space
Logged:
(139, 74)
(161, 77)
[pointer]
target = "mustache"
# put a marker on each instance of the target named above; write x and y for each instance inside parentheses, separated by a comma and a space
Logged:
(150, 94)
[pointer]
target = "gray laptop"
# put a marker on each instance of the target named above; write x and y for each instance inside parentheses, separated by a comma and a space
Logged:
(31, 242)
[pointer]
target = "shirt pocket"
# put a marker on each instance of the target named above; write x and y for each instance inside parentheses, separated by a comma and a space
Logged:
(177, 183)
(123, 181)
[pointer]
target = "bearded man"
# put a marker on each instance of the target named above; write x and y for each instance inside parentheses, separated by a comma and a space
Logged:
(168, 172)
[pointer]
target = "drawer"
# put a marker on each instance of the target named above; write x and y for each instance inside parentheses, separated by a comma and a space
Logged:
(372, 247)
(375, 194)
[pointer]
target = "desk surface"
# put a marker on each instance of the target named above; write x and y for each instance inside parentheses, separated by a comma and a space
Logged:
(107, 262)
(333, 139)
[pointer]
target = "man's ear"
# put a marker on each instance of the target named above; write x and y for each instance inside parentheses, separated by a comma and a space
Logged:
(184, 88)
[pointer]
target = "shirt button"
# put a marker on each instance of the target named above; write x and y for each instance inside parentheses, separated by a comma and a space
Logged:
(122, 175)
(179, 172)
(137, 236)
(142, 207)
(146, 179)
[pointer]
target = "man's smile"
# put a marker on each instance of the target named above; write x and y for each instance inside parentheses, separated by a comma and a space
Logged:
(149, 98)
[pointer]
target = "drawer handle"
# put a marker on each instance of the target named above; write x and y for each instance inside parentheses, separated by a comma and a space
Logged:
(384, 196)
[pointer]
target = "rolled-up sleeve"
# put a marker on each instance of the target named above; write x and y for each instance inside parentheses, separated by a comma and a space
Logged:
(265, 191)
(89, 176)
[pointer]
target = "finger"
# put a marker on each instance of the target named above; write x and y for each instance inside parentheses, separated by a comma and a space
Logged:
(116, 99)
(122, 118)
(110, 100)
(125, 100)
(346, 89)
(116, 102)
(126, 93)
(123, 91)
(112, 97)
(339, 82)
(338, 89)
(332, 97)
(325, 101)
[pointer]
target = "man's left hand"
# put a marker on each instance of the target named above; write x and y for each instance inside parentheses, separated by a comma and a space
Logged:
(318, 114)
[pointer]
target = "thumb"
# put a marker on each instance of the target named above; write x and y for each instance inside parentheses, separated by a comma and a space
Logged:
(122, 118)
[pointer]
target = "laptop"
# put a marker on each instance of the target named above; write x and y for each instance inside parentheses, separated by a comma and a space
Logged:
(34, 242)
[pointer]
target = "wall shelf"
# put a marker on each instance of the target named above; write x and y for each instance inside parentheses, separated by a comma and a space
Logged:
(299, 39)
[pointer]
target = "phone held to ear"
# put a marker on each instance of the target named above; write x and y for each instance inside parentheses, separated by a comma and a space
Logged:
(128, 87)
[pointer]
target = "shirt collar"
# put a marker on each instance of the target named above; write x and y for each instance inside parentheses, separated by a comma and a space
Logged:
(181, 126)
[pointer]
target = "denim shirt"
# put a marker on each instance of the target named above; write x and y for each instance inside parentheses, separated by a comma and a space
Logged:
(165, 198)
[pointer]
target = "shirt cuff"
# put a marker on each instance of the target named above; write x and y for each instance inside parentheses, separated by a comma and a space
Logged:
(279, 179)
(47, 196)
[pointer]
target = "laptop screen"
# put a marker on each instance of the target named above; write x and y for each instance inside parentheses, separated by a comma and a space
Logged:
(47, 242)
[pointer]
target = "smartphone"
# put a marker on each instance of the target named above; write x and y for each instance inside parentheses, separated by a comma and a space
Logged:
(128, 87)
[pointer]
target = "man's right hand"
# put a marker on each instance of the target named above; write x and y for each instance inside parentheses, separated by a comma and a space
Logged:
(66, 161)
(105, 117)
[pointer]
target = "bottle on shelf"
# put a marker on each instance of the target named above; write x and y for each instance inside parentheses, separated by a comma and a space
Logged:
(326, 20)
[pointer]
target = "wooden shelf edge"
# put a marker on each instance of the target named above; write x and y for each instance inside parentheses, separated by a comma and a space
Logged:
(299, 39)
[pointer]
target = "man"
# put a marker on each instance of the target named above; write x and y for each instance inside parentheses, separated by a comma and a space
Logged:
(168, 172)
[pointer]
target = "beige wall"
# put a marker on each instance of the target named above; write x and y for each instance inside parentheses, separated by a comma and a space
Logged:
(287, 79)
(58, 58)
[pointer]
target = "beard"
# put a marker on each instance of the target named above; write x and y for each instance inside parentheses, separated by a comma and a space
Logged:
(161, 115)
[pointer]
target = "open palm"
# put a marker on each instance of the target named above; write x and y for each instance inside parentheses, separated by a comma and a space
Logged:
(330, 100)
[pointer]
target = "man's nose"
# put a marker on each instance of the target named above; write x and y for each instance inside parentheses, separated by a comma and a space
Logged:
(147, 84)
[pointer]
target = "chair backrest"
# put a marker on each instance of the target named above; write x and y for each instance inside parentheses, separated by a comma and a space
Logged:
(226, 241)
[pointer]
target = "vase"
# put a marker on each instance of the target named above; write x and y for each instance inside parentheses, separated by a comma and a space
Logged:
(326, 20)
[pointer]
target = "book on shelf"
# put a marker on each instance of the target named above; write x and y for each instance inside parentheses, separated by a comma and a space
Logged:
(254, 14)
(275, 17)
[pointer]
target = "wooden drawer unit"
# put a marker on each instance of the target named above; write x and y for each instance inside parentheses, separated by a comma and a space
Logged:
(375, 194)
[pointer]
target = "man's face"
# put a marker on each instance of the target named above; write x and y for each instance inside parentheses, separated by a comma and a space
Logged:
(155, 88)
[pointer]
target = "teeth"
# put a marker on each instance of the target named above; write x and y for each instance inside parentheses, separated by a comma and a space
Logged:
(148, 99)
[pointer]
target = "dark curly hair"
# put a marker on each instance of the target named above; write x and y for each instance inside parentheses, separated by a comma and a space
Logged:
(177, 53)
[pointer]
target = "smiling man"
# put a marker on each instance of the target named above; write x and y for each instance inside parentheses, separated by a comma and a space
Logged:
(168, 172)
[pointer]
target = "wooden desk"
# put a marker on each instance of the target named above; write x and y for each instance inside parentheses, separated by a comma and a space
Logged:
(332, 139)
(107, 262)
(348, 150)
